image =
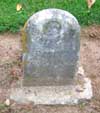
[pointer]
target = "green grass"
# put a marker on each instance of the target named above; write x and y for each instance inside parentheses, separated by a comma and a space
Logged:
(12, 20)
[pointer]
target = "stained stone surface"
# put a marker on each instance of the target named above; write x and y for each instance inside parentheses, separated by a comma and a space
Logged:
(52, 48)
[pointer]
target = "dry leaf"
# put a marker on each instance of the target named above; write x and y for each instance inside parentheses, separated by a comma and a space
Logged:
(7, 102)
(90, 3)
(18, 7)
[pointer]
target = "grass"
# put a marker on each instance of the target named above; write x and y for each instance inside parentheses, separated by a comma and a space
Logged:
(13, 20)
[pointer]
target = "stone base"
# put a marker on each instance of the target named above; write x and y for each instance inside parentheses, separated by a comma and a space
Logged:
(50, 95)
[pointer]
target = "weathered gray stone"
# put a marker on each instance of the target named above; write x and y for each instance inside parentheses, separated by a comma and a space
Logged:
(81, 91)
(52, 48)
(51, 59)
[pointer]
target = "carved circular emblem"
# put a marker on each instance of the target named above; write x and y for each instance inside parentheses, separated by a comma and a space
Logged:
(52, 29)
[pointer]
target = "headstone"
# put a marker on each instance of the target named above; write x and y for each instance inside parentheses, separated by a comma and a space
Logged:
(52, 48)
(51, 71)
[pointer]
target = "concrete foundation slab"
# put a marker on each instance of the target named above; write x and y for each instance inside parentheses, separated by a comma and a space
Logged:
(50, 95)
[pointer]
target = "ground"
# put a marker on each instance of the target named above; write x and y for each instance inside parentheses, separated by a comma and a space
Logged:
(11, 71)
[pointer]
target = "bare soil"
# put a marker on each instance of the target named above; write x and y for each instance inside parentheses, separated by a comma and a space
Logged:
(11, 71)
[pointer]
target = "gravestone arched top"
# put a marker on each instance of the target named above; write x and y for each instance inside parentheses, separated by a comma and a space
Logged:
(61, 16)
(51, 26)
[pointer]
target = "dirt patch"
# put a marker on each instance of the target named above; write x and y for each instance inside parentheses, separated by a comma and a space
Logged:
(10, 71)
